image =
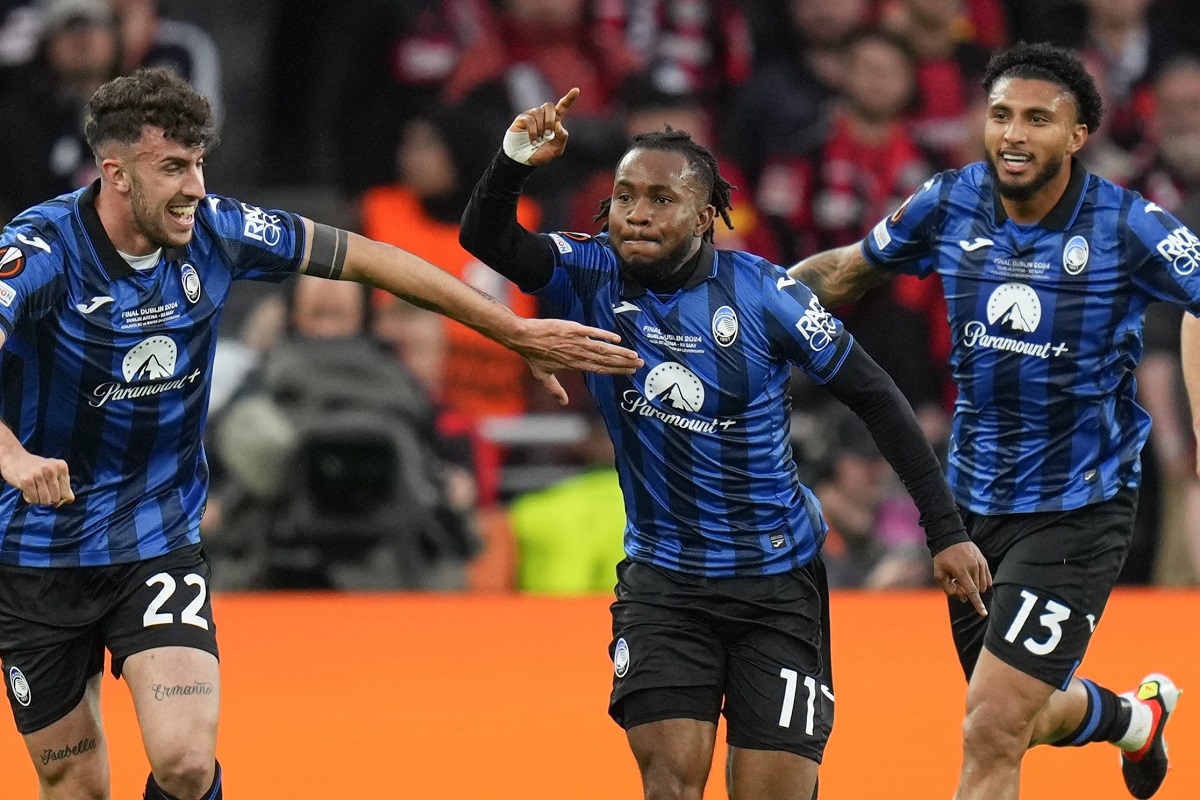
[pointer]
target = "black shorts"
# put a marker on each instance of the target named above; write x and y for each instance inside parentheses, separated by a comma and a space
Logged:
(1053, 573)
(682, 643)
(56, 623)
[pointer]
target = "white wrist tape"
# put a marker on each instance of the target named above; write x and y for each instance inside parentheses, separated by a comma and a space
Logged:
(518, 147)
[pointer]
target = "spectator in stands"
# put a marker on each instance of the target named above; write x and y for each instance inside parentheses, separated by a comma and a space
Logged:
(1173, 182)
(404, 55)
(782, 108)
(20, 25)
(543, 48)
(875, 539)
(1173, 172)
(329, 398)
(864, 165)
(42, 107)
(828, 197)
(150, 40)
(421, 211)
(570, 536)
(949, 66)
(1125, 48)
(687, 46)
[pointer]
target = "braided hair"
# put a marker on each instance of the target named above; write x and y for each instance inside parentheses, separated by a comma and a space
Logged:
(701, 162)
(1056, 65)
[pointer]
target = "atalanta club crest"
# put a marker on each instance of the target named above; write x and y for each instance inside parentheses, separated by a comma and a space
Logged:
(191, 283)
(621, 658)
(20, 686)
(725, 326)
(1075, 255)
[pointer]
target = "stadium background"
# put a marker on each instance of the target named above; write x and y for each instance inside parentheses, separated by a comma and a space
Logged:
(500, 695)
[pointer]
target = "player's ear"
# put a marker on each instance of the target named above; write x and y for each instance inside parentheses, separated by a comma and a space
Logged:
(114, 172)
(1078, 137)
(705, 218)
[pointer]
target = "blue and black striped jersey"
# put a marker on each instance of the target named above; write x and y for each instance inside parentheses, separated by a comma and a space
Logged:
(701, 430)
(108, 369)
(1046, 322)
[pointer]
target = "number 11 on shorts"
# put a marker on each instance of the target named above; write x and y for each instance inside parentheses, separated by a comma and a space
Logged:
(790, 677)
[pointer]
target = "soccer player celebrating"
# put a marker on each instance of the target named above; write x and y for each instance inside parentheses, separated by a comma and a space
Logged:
(721, 601)
(109, 301)
(1047, 273)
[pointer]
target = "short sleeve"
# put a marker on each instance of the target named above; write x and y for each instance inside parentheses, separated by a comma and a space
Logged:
(903, 242)
(31, 273)
(260, 244)
(1166, 256)
(800, 328)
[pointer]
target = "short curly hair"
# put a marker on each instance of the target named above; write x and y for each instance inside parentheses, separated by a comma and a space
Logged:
(121, 108)
(700, 160)
(1057, 65)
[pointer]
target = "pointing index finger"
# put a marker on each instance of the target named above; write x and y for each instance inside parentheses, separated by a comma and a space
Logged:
(566, 101)
(976, 600)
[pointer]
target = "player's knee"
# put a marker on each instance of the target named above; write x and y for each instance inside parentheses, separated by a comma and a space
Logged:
(185, 771)
(665, 783)
(991, 731)
(82, 781)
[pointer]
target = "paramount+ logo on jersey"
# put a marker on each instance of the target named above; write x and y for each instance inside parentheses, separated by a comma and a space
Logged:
(148, 369)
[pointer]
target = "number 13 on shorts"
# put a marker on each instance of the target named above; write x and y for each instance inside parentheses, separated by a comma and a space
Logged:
(1056, 614)
(791, 679)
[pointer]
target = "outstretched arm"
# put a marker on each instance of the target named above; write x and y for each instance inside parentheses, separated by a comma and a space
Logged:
(549, 345)
(863, 386)
(839, 276)
(1189, 351)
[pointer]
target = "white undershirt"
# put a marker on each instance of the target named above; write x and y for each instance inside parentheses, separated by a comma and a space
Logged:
(142, 263)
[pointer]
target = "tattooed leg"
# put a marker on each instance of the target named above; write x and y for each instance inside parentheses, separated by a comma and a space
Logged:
(176, 692)
(70, 755)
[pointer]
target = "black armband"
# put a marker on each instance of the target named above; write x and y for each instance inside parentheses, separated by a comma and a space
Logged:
(328, 254)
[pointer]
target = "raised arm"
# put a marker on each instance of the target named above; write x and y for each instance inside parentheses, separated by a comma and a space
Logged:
(1189, 351)
(490, 230)
(839, 276)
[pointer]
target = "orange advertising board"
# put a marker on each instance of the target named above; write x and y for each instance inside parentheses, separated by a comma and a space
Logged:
(495, 696)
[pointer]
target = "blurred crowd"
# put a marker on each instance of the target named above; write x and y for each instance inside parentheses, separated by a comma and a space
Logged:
(359, 442)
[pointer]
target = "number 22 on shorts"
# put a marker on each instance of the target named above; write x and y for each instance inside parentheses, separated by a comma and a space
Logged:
(154, 616)
(1055, 614)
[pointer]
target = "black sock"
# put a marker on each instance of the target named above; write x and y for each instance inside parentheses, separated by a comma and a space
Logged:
(155, 792)
(1106, 719)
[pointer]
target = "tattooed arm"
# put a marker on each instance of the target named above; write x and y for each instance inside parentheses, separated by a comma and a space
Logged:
(839, 276)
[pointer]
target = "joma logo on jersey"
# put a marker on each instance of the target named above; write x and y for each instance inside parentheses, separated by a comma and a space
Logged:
(261, 226)
(148, 369)
(1182, 249)
(817, 326)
